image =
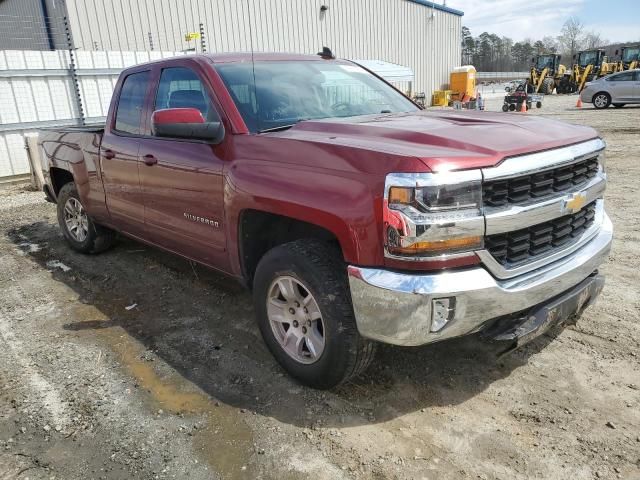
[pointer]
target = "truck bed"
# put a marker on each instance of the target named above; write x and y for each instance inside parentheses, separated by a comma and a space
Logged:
(90, 128)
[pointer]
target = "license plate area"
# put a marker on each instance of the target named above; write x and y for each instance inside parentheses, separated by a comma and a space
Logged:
(563, 309)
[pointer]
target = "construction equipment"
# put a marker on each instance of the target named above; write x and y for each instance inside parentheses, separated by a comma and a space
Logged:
(589, 65)
(546, 73)
(629, 58)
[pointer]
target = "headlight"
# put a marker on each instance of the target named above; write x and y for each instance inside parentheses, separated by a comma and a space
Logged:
(435, 214)
(602, 162)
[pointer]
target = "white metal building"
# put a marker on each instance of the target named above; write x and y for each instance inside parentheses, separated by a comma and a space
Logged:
(37, 86)
(422, 35)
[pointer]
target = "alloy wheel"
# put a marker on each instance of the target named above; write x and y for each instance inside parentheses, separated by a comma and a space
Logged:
(296, 320)
(76, 220)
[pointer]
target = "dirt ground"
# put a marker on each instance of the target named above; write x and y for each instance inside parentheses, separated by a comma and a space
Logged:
(137, 364)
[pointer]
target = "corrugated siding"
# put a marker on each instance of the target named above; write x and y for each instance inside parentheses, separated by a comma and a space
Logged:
(23, 26)
(398, 31)
(36, 87)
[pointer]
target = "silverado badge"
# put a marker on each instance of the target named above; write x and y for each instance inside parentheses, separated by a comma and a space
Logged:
(575, 202)
(196, 218)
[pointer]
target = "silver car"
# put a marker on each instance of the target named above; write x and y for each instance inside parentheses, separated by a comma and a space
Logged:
(617, 89)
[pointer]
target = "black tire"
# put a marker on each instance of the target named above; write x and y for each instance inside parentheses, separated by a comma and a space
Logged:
(98, 238)
(512, 107)
(505, 107)
(619, 105)
(601, 100)
(548, 85)
(538, 104)
(321, 270)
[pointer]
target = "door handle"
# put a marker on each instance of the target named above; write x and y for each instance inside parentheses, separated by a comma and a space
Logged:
(149, 159)
(108, 154)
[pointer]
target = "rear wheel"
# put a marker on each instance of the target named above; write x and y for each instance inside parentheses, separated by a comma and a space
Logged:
(304, 312)
(505, 107)
(618, 105)
(601, 100)
(80, 232)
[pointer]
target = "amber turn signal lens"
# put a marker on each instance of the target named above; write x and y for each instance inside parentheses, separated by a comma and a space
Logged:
(400, 195)
(439, 246)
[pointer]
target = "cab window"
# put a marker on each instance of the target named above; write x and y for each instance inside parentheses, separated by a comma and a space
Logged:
(131, 103)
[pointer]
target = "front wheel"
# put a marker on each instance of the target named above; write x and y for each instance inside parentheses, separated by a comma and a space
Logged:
(304, 312)
(80, 232)
(601, 100)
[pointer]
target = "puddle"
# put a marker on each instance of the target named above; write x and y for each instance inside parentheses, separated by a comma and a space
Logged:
(225, 443)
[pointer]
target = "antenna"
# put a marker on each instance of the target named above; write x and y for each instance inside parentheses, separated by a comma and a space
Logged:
(326, 53)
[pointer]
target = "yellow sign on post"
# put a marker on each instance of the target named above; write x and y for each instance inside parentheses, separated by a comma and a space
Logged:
(191, 36)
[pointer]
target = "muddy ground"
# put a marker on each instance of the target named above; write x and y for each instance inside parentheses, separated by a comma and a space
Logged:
(137, 364)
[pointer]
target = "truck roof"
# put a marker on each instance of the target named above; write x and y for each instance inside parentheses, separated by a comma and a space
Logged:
(241, 57)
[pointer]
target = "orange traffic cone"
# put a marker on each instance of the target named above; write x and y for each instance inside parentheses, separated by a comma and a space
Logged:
(579, 102)
(523, 106)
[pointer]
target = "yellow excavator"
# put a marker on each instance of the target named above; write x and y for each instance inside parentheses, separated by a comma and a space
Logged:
(546, 73)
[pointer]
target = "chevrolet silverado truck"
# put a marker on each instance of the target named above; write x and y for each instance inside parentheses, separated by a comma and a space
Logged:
(354, 216)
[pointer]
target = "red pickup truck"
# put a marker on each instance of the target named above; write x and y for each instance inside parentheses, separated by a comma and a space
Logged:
(353, 215)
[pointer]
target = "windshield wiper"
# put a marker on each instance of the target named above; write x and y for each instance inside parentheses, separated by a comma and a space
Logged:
(276, 129)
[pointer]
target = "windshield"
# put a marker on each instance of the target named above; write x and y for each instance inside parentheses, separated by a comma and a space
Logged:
(631, 54)
(545, 61)
(286, 93)
(588, 58)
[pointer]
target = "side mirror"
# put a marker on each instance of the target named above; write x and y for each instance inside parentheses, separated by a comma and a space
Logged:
(559, 57)
(533, 59)
(185, 123)
(616, 52)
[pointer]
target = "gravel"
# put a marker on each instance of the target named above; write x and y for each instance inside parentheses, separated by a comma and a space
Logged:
(182, 386)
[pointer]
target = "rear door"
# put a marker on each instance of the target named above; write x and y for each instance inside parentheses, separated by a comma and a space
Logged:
(119, 153)
(182, 179)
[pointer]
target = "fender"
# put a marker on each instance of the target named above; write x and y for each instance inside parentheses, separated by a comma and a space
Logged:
(343, 204)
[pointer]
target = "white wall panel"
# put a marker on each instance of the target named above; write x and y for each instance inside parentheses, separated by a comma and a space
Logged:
(398, 31)
(37, 87)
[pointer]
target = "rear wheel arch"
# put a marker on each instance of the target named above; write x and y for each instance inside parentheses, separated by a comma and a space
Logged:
(59, 178)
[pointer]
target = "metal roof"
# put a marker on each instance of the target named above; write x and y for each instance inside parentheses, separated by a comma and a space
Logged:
(391, 72)
(437, 6)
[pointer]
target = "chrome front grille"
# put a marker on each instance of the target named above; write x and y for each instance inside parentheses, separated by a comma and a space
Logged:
(537, 186)
(522, 246)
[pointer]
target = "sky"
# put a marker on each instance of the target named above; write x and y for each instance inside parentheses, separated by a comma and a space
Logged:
(615, 20)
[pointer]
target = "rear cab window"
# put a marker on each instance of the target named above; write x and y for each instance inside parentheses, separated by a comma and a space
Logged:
(131, 103)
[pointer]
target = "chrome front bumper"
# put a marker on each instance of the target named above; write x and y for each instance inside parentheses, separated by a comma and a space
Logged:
(395, 307)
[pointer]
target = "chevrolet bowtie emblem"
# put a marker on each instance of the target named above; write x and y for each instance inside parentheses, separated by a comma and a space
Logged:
(575, 202)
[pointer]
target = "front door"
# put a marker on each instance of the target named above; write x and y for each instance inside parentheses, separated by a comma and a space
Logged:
(182, 179)
(622, 86)
(119, 154)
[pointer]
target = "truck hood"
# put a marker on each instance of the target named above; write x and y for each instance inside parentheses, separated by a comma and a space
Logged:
(444, 139)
